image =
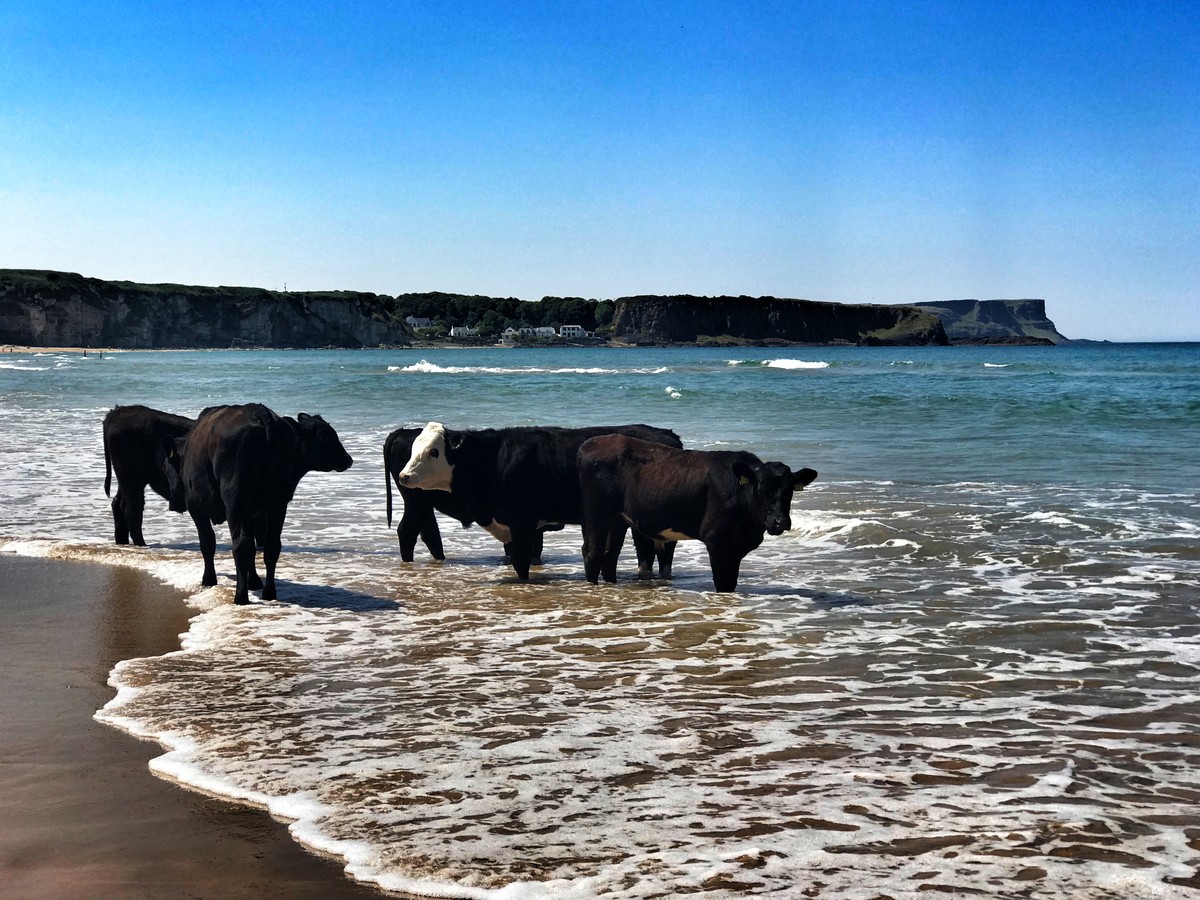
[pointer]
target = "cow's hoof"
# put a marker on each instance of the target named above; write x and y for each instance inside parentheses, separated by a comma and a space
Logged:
(254, 583)
(208, 582)
(241, 601)
(269, 595)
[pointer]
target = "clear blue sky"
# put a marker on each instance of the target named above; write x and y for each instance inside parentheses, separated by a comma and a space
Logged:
(858, 152)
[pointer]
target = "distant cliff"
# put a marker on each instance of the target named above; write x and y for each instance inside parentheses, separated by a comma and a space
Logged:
(63, 309)
(995, 321)
(688, 319)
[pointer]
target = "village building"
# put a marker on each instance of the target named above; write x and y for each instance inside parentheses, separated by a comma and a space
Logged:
(572, 331)
(418, 322)
(462, 331)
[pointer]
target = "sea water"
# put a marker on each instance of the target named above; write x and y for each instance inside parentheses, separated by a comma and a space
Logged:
(971, 667)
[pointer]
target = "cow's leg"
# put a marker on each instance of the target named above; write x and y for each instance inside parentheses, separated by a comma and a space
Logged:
(407, 533)
(665, 551)
(645, 555)
(612, 552)
(208, 547)
(120, 525)
(253, 582)
(538, 544)
(243, 558)
(725, 565)
(133, 504)
(431, 537)
(520, 551)
(593, 551)
(272, 546)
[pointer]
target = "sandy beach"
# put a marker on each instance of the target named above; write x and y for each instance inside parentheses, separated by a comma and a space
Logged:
(80, 814)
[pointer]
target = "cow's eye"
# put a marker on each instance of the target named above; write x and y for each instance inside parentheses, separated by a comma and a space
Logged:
(434, 453)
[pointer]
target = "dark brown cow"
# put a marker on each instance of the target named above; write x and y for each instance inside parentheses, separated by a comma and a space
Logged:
(725, 499)
(134, 438)
(242, 464)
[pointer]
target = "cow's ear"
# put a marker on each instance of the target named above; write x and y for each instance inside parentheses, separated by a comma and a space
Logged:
(169, 447)
(744, 474)
(454, 441)
(802, 478)
(302, 417)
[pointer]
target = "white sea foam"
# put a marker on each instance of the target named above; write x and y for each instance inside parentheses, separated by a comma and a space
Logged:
(427, 368)
(996, 365)
(1006, 667)
(23, 368)
(795, 364)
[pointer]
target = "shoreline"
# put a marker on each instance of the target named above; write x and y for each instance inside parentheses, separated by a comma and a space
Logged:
(81, 814)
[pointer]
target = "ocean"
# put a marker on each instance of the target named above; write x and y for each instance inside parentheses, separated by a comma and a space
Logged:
(971, 668)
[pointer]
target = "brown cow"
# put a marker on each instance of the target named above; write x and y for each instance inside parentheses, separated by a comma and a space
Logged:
(725, 499)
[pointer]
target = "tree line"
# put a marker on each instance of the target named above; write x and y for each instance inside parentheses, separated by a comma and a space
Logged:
(490, 316)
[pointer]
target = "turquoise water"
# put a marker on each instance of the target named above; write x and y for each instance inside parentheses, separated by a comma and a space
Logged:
(973, 663)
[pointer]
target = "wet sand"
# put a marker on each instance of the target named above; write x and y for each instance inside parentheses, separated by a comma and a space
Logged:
(80, 813)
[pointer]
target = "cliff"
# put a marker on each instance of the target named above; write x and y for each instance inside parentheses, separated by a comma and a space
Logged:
(64, 309)
(688, 319)
(995, 321)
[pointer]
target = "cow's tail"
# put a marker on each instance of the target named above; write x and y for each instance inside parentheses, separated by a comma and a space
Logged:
(107, 466)
(387, 476)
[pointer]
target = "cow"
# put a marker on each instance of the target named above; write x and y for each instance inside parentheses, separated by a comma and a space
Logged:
(518, 482)
(242, 464)
(418, 519)
(134, 438)
(726, 499)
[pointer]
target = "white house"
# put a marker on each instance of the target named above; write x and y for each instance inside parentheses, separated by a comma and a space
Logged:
(418, 322)
(572, 331)
(461, 331)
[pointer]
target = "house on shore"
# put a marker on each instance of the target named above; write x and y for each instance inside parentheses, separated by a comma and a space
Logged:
(418, 322)
(462, 331)
(573, 331)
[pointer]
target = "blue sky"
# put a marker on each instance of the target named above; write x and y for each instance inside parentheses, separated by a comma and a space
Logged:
(857, 152)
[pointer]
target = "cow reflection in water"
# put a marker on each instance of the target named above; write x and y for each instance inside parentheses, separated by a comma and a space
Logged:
(241, 464)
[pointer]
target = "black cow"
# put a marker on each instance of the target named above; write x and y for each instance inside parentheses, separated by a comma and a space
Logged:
(134, 437)
(725, 499)
(242, 464)
(418, 519)
(518, 482)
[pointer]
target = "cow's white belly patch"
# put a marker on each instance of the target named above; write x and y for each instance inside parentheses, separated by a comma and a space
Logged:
(668, 534)
(500, 532)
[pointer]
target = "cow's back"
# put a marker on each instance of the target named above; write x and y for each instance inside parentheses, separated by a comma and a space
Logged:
(538, 467)
(230, 451)
(134, 441)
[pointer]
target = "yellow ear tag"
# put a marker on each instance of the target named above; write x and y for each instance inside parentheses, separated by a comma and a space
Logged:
(743, 480)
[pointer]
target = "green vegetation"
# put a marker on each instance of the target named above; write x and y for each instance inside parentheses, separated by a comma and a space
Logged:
(491, 315)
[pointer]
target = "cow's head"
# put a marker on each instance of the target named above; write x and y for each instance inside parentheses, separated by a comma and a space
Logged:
(320, 447)
(428, 467)
(172, 464)
(775, 484)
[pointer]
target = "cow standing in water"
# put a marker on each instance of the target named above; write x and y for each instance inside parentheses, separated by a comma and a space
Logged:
(134, 441)
(241, 464)
(418, 519)
(725, 499)
(518, 482)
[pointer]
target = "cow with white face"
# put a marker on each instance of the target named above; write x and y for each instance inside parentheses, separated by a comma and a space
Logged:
(519, 482)
(428, 468)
